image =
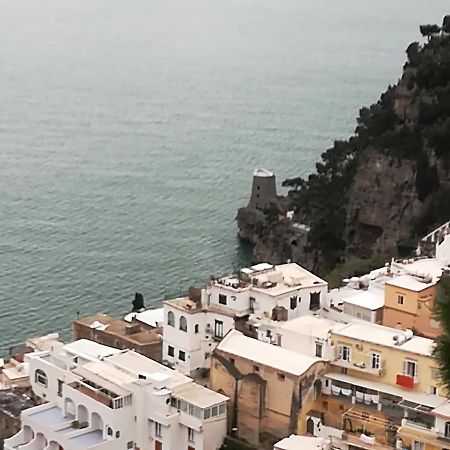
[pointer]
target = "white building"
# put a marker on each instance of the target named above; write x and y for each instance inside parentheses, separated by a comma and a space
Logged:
(103, 398)
(295, 442)
(308, 335)
(193, 327)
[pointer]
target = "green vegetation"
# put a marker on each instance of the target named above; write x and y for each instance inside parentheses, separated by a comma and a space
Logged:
(442, 349)
(422, 136)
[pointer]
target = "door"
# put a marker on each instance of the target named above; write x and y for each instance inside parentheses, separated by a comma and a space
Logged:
(158, 445)
(310, 426)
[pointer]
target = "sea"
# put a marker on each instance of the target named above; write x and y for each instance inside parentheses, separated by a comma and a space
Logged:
(129, 131)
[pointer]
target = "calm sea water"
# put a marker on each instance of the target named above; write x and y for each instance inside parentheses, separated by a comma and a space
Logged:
(129, 131)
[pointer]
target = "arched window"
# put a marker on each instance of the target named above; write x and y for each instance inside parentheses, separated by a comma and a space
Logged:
(183, 323)
(170, 319)
(109, 431)
(196, 328)
(40, 377)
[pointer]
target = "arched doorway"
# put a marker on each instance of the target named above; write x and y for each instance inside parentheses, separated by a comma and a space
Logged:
(69, 408)
(96, 422)
(82, 414)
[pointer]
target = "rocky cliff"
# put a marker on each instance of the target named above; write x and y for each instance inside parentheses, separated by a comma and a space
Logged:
(384, 187)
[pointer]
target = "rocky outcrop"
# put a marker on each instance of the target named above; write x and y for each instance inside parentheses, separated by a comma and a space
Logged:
(387, 184)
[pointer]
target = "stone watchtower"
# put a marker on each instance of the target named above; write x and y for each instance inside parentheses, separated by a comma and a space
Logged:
(264, 189)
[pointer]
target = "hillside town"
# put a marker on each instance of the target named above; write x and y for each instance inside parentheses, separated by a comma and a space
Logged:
(265, 358)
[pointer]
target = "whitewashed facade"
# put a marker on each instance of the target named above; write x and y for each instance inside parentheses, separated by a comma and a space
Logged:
(102, 398)
(192, 329)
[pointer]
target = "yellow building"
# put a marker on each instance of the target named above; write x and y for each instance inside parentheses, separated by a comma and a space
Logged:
(409, 304)
(383, 385)
(269, 387)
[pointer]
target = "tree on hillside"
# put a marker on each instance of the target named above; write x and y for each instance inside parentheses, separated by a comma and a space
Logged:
(442, 349)
(413, 53)
(446, 24)
(429, 30)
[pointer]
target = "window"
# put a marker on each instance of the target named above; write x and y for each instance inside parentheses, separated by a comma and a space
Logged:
(183, 323)
(170, 319)
(433, 390)
(60, 386)
(222, 299)
(410, 368)
(109, 431)
(191, 435)
(158, 431)
(40, 377)
(314, 301)
(345, 353)
(281, 376)
(196, 328)
(318, 349)
(375, 360)
(400, 299)
(434, 374)
(117, 434)
(218, 329)
(293, 301)
(170, 351)
(182, 355)
(447, 429)
(255, 369)
(130, 444)
(418, 445)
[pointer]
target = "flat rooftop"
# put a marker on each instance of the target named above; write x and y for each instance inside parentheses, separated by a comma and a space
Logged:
(235, 343)
(379, 334)
(89, 349)
(409, 282)
(295, 442)
(310, 326)
(372, 299)
(120, 328)
(184, 304)
(199, 395)
(431, 267)
(151, 317)
(272, 280)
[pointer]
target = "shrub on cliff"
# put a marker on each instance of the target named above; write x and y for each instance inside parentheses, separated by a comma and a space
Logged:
(422, 136)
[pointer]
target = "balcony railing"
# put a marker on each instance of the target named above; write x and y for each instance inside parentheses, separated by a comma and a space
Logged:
(106, 398)
(360, 366)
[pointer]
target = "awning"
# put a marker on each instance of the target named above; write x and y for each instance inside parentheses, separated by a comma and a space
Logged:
(418, 398)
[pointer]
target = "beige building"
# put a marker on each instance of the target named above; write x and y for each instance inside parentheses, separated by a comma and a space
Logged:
(409, 304)
(120, 334)
(383, 384)
(269, 387)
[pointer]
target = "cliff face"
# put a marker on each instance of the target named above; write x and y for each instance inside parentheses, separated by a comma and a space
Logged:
(388, 183)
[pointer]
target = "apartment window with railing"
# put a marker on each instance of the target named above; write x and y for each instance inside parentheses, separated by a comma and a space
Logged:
(375, 360)
(345, 353)
(410, 368)
(158, 429)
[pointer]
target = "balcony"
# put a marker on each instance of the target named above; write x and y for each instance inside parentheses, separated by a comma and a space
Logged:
(407, 381)
(364, 443)
(100, 394)
(47, 427)
(361, 365)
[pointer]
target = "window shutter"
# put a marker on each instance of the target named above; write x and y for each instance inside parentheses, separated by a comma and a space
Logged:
(339, 351)
(405, 367)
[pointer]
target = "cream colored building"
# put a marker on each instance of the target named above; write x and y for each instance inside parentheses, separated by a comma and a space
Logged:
(269, 387)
